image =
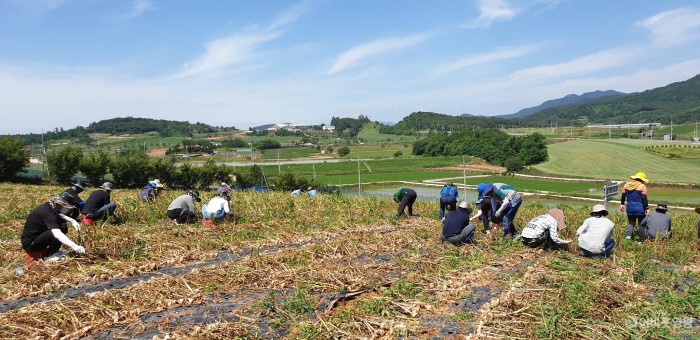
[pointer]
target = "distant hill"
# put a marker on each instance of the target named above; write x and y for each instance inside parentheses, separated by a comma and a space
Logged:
(442, 122)
(566, 100)
(679, 102)
(120, 126)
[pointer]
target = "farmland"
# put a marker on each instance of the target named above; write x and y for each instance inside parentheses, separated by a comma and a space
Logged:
(617, 159)
(337, 267)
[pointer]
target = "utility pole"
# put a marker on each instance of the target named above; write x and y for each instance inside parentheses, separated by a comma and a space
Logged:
(359, 178)
(464, 177)
(43, 156)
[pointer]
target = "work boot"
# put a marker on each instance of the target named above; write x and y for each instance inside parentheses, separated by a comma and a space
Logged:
(87, 221)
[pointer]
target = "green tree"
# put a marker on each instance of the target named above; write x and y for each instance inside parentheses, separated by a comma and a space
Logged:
(267, 144)
(13, 157)
(64, 163)
(130, 170)
(164, 169)
(95, 166)
(344, 151)
(213, 173)
(514, 164)
(187, 176)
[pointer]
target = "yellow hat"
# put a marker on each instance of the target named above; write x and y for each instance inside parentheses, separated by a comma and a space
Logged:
(640, 176)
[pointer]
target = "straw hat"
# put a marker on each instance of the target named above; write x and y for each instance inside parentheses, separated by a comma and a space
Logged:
(559, 217)
(640, 176)
(598, 208)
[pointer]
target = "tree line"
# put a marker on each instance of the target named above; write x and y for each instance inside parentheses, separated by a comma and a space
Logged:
(125, 125)
(493, 146)
(133, 169)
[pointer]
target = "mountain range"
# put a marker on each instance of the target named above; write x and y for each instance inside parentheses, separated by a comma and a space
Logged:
(566, 100)
(678, 102)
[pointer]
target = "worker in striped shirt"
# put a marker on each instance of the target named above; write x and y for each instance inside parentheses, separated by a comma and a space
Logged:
(543, 230)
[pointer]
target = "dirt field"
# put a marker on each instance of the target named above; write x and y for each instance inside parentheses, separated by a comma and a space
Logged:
(334, 267)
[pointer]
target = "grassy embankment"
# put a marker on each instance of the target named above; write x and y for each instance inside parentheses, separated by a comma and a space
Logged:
(340, 267)
(617, 159)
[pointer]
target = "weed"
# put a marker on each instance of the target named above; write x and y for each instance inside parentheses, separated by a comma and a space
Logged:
(298, 304)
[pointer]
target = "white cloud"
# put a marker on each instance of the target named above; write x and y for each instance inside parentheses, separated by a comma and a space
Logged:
(674, 27)
(291, 15)
(354, 55)
(498, 55)
(576, 67)
(141, 6)
(492, 11)
(224, 52)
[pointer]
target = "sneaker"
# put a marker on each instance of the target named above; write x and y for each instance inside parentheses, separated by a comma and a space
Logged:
(176, 222)
(488, 232)
(57, 256)
(628, 237)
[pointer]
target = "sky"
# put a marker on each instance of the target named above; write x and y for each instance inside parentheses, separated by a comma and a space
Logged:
(65, 63)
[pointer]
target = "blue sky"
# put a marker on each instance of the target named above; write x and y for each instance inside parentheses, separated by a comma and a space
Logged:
(65, 63)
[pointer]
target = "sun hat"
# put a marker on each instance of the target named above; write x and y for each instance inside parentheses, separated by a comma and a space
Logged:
(598, 208)
(464, 205)
(79, 185)
(661, 207)
(195, 195)
(640, 176)
(107, 186)
(156, 184)
(60, 201)
(558, 216)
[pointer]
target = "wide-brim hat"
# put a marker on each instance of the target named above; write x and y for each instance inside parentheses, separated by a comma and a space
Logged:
(640, 176)
(62, 202)
(559, 217)
(598, 208)
(156, 183)
(107, 186)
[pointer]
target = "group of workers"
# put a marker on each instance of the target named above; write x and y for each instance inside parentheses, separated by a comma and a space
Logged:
(46, 226)
(498, 203)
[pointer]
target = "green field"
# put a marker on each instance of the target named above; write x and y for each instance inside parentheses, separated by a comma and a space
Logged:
(617, 159)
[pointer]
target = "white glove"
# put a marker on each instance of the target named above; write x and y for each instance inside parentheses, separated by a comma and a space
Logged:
(75, 225)
(79, 249)
(497, 214)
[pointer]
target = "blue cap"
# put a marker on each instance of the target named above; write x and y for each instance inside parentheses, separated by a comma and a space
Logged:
(483, 189)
